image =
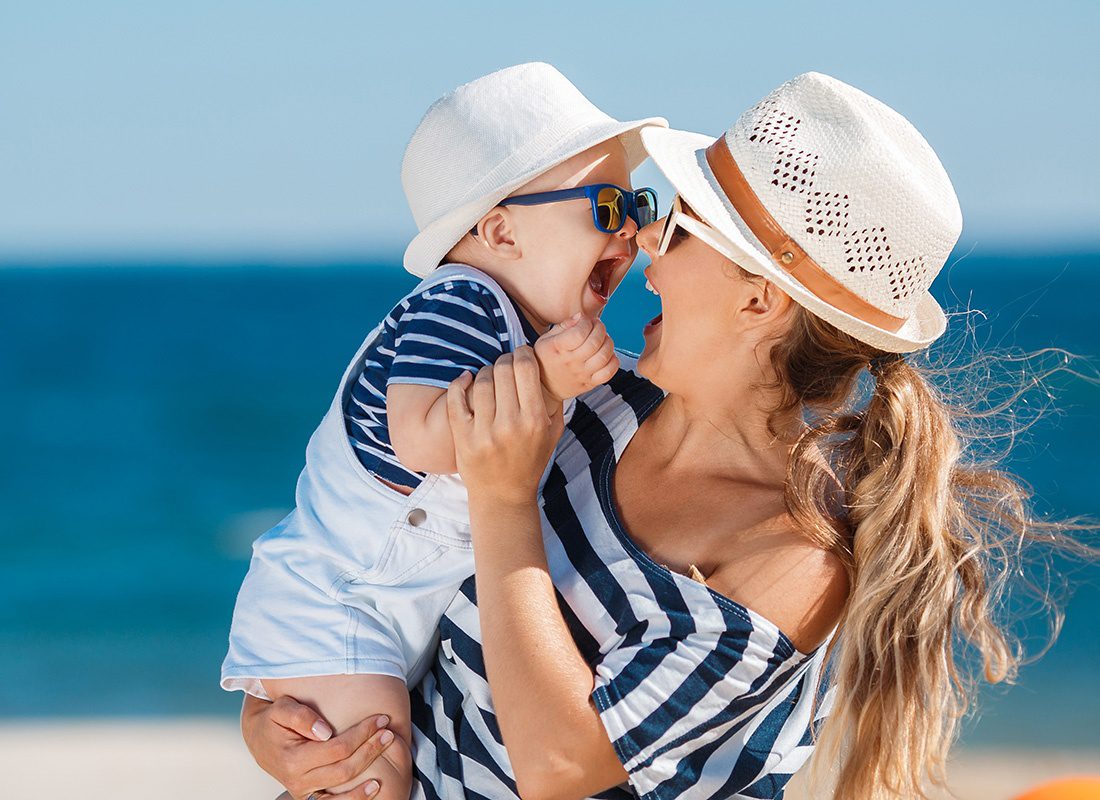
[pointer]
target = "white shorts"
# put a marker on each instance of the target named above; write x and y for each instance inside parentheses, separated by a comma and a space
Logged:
(369, 603)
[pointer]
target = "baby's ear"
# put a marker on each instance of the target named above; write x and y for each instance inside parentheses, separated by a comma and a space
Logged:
(496, 233)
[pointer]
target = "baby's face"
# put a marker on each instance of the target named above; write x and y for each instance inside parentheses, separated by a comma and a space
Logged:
(567, 265)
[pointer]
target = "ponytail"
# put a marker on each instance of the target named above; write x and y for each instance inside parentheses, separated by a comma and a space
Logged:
(929, 536)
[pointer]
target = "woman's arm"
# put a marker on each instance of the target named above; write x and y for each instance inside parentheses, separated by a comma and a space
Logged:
(540, 683)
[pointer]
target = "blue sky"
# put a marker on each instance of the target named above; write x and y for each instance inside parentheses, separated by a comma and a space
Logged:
(214, 129)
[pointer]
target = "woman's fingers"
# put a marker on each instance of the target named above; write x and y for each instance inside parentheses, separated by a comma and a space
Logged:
(504, 388)
(482, 398)
(366, 743)
(301, 719)
(342, 747)
(458, 407)
(528, 382)
(360, 792)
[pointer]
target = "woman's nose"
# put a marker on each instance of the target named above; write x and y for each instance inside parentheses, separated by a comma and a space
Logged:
(649, 236)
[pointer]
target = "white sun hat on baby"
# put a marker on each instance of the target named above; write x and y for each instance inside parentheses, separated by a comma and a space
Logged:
(481, 142)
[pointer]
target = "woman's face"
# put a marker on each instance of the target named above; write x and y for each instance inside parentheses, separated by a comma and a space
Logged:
(696, 334)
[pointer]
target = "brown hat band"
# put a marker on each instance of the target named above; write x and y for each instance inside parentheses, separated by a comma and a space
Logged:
(784, 251)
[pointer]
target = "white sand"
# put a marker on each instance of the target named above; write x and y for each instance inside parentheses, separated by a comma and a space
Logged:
(171, 759)
(176, 759)
(994, 774)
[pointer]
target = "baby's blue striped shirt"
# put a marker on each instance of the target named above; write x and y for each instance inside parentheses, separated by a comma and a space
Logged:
(429, 339)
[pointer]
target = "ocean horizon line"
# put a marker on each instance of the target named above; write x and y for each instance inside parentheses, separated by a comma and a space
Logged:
(387, 256)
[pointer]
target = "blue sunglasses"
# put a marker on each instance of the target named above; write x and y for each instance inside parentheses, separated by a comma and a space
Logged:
(611, 204)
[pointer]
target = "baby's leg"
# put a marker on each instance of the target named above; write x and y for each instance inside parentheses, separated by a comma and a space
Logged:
(344, 700)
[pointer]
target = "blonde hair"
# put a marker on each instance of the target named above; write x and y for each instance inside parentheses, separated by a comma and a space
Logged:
(931, 534)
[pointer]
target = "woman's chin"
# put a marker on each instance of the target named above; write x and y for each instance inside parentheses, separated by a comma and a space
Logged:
(647, 362)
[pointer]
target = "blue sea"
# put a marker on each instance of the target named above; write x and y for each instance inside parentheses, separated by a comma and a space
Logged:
(153, 419)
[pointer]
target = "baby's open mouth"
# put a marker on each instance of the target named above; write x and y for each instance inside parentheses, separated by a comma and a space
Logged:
(601, 279)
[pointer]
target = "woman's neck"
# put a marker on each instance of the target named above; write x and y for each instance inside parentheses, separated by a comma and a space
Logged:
(694, 437)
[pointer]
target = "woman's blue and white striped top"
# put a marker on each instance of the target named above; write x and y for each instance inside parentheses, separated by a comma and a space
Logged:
(701, 697)
(429, 338)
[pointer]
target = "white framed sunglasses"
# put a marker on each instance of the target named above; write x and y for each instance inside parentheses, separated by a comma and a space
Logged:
(712, 238)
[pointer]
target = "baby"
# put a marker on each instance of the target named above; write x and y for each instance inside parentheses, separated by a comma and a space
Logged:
(519, 186)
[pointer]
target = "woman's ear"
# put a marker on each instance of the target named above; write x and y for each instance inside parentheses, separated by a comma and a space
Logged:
(496, 234)
(766, 301)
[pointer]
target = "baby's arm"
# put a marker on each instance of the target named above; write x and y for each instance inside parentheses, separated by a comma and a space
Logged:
(344, 700)
(440, 334)
(419, 431)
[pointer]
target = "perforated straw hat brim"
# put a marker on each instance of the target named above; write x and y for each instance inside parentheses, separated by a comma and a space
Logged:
(681, 156)
(429, 247)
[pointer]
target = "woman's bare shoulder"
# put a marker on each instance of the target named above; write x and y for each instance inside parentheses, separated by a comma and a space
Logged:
(787, 579)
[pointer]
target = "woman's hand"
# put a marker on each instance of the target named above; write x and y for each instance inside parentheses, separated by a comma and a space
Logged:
(503, 433)
(293, 744)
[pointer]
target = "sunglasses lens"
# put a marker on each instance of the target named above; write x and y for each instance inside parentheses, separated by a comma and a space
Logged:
(610, 205)
(646, 200)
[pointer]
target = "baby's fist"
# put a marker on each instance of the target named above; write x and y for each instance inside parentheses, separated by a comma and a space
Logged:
(575, 356)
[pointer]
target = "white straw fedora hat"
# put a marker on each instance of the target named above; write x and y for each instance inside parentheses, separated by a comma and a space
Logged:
(481, 142)
(833, 196)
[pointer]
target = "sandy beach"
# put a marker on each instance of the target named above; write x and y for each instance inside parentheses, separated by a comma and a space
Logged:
(192, 758)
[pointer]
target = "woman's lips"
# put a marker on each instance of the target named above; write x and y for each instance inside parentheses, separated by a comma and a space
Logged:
(652, 324)
(649, 282)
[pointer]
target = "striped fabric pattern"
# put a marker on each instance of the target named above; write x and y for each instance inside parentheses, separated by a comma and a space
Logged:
(429, 338)
(700, 697)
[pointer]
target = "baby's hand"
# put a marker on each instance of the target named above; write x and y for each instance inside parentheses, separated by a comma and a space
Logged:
(575, 356)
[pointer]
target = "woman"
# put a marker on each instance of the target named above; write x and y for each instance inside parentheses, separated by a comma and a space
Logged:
(798, 253)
